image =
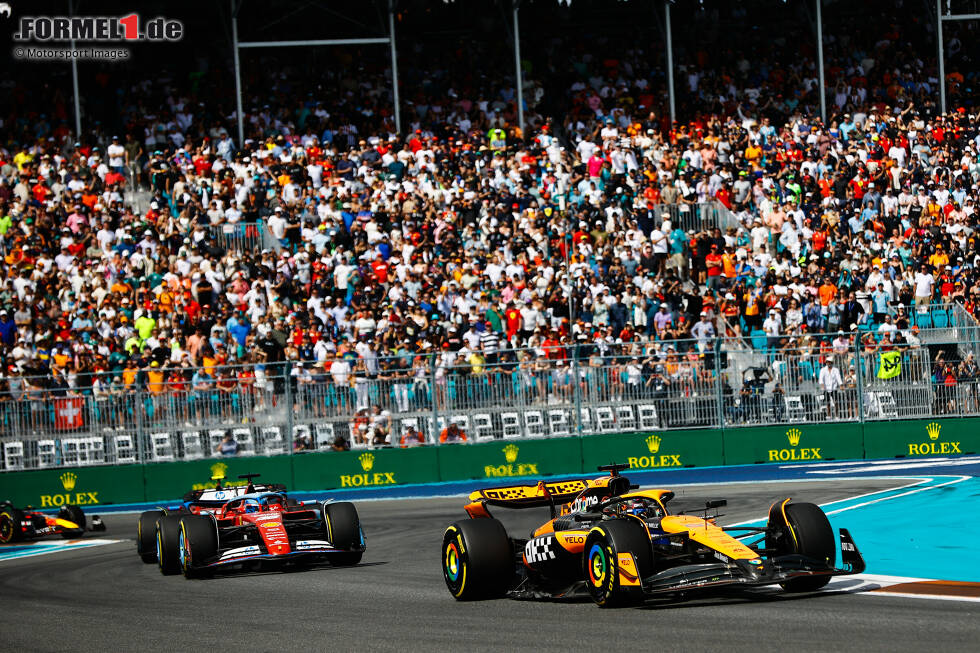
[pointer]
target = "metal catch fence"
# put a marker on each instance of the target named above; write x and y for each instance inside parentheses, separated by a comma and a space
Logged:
(186, 414)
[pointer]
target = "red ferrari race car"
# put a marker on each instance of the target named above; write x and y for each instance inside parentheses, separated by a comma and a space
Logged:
(197, 502)
(18, 524)
(257, 527)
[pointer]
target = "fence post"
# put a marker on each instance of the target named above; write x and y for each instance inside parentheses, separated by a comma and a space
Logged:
(719, 384)
(288, 371)
(859, 366)
(434, 397)
(577, 389)
(140, 427)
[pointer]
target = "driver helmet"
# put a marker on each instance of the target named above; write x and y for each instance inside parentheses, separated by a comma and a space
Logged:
(251, 506)
(634, 507)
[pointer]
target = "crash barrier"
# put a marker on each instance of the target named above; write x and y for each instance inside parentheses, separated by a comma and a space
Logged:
(500, 461)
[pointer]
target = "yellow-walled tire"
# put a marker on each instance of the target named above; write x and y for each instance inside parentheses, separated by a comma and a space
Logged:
(10, 519)
(601, 565)
(814, 538)
(167, 541)
(146, 533)
(477, 559)
(342, 527)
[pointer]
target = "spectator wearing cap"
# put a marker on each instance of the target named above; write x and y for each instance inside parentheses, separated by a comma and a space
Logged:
(703, 331)
(452, 434)
(412, 437)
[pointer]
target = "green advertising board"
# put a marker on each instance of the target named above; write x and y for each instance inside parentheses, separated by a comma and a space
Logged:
(83, 486)
(170, 481)
(505, 459)
(922, 438)
(352, 469)
(498, 460)
(660, 450)
(790, 443)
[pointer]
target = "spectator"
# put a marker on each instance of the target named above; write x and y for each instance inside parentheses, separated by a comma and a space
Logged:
(303, 443)
(452, 434)
(830, 382)
(228, 446)
(412, 437)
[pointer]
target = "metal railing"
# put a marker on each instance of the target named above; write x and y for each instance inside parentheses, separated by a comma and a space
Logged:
(161, 414)
(698, 217)
(243, 236)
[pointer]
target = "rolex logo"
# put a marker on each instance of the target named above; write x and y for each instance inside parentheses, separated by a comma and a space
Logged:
(218, 471)
(68, 480)
(367, 461)
(653, 443)
(794, 435)
(933, 430)
(510, 452)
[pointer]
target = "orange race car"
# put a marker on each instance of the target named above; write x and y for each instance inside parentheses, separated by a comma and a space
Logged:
(622, 545)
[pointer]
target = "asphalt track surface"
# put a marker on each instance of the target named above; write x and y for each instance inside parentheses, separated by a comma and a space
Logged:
(104, 599)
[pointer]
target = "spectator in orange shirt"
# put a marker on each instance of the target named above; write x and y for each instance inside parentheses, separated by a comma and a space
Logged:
(827, 292)
(452, 433)
(412, 438)
(939, 259)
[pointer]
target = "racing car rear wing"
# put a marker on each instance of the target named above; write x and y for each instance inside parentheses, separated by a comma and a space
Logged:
(527, 496)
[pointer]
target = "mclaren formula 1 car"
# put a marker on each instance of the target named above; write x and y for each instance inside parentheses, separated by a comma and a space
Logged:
(621, 545)
(248, 525)
(18, 524)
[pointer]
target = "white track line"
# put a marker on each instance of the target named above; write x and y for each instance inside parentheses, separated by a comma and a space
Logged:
(44, 548)
(906, 465)
(958, 479)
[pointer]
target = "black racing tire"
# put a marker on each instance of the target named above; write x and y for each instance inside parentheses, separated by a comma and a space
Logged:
(477, 559)
(10, 520)
(167, 541)
(814, 539)
(343, 530)
(146, 534)
(75, 515)
(602, 567)
(197, 542)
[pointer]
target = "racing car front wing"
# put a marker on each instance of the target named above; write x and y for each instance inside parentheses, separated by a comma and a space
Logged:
(300, 549)
(773, 570)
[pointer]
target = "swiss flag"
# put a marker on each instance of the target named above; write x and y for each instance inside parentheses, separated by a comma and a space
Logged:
(68, 413)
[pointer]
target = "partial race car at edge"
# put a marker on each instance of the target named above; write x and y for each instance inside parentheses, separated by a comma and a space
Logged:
(620, 546)
(20, 524)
